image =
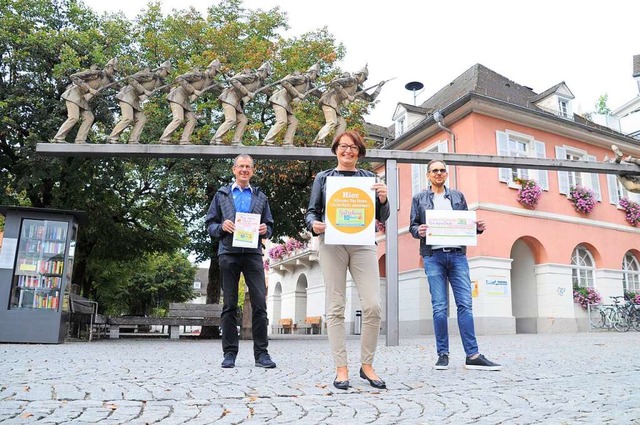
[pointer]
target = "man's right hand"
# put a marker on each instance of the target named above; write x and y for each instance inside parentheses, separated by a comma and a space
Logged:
(228, 226)
(422, 230)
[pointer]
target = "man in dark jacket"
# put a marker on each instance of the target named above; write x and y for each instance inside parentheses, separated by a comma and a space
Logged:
(241, 197)
(447, 263)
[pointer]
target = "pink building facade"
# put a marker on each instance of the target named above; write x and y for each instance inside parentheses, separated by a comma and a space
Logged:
(527, 262)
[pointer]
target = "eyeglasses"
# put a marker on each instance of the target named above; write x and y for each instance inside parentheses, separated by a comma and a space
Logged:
(439, 171)
(353, 148)
(243, 167)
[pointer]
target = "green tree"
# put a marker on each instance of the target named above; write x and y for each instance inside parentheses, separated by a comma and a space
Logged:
(140, 207)
(601, 105)
(146, 286)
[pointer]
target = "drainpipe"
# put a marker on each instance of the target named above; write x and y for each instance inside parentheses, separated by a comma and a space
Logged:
(439, 119)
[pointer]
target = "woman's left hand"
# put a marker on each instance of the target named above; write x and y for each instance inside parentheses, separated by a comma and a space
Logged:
(381, 191)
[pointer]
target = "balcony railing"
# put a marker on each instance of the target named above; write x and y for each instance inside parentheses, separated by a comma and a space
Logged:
(301, 257)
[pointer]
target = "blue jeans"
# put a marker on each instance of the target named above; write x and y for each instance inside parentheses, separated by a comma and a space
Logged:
(451, 266)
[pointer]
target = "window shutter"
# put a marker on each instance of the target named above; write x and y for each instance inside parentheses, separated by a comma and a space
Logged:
(543, 175)
(502, 141)
(595, 180)
(563, 176)
(612, 186)
(415, 179)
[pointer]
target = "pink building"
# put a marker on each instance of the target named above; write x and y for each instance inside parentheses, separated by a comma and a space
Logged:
(528, 260)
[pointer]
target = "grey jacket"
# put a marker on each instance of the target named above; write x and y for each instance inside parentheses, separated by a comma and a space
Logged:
(424, 201)
(223, 208)
(315, 211)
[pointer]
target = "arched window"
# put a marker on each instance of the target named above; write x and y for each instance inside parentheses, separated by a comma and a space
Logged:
(583, 267)
(631, 273)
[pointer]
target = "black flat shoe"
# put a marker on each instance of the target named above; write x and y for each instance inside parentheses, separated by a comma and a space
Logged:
(341, 385)
(375, 383)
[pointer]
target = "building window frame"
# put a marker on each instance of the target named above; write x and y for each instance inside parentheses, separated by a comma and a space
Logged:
(419, 181)
(401, 125)
(566, 179)
(630, 273)
(582, 268)
(515, 144)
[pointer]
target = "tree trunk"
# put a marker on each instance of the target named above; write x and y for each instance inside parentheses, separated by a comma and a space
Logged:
(214, 290)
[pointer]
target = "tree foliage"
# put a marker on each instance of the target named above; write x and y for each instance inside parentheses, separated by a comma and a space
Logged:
(147, 285)
(141, 207)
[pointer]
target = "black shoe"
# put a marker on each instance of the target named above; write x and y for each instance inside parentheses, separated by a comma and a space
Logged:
(264, 360)
(229, 360)
(442, 363)
(481, 363)
(341, 385)
(375, 383)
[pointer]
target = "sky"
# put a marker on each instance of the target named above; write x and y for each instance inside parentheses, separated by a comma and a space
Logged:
(588, 45)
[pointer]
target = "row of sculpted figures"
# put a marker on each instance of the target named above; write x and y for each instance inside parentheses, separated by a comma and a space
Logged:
(233, 94)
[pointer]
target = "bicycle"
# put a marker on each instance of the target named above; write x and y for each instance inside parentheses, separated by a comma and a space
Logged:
(631, 314)
(608, 316)
(622, 315)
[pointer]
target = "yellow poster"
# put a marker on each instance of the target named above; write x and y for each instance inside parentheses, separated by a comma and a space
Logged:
(350, 211)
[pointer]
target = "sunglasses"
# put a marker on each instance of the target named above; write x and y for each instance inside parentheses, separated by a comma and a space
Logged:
(438, 171)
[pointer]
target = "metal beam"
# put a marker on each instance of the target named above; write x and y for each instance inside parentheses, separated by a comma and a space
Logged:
(391, 256)
(324, 154)
(390, 158)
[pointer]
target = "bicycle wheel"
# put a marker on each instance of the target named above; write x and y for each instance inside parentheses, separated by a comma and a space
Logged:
(620, 320)
(634, 318)
(597, 317)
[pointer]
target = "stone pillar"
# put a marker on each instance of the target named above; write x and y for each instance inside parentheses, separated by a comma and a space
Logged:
(246, 330)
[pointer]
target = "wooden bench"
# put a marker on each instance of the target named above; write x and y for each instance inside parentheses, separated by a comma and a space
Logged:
(314, 325)
(285, 326)
(180, 314)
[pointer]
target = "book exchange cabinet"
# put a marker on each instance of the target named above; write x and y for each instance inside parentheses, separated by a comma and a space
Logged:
(36, 263)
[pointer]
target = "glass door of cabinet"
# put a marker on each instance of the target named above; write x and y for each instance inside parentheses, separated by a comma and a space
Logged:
(40, 265)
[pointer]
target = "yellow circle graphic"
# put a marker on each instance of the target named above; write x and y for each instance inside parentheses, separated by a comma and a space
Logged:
(350, 210)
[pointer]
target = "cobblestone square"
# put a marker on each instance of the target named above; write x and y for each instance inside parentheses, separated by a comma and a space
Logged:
(583, 378)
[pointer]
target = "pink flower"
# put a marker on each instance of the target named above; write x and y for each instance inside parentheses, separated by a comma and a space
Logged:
(632, 210)
(582, 198)
(586, 296)
(529, 193)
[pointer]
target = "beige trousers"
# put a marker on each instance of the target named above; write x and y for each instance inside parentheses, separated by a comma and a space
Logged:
(362, 262)
(179, 116)
(283, 119)
(333, 122)
(74, 113)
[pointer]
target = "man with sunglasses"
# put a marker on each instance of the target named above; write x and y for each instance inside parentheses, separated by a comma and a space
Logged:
(447, 263)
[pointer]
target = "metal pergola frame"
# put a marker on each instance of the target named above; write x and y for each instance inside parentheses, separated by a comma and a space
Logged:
(390, 159)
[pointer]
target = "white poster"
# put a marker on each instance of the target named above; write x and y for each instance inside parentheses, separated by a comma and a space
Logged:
(247, 233)
(8, 253)
(350, 211)
(451, 228)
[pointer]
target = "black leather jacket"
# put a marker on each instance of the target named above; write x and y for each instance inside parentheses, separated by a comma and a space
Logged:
(223, 208)
(424, 201)
(315, 211)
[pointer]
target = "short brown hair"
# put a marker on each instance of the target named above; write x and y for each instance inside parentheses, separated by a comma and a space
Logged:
(355, 137)
(434, 161)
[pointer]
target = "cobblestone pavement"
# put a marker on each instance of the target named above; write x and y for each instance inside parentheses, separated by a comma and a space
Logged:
(546, 379)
